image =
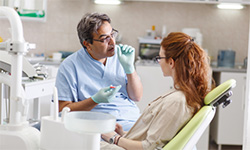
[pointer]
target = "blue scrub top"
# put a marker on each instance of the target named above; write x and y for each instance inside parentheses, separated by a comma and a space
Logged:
(80, 77)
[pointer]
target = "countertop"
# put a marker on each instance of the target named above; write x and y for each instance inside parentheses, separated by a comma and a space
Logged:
(227, 69)
(238, 68)
(43, 61)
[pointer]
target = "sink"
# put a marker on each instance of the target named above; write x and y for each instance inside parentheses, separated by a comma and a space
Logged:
(87, 122)
(90, 125)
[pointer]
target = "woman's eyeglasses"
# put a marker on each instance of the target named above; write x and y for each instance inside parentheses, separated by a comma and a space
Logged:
(158, 58)
(107, 38)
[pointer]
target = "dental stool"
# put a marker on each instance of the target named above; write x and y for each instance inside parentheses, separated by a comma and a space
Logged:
(189, 135)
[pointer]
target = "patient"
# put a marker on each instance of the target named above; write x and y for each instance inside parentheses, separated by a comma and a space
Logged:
(188, 64)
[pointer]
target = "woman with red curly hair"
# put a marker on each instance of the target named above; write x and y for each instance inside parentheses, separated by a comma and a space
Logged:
(188, 64)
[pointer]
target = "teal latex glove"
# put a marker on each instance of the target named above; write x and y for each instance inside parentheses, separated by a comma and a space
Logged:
(126, 55)
(106, 95)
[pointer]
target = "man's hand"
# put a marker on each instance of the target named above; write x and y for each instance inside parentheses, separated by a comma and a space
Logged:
(106, 95)
(126, 55)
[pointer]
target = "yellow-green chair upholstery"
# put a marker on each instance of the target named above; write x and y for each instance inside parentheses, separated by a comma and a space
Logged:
(189, 135)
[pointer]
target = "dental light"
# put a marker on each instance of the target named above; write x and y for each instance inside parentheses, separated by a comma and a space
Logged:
(230, 6)
(108, 2)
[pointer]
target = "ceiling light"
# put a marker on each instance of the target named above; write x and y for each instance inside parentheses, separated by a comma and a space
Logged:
(108, 2)
(230, 6)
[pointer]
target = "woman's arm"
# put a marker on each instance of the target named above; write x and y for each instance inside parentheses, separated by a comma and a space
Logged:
(128, 144)
(123, 142)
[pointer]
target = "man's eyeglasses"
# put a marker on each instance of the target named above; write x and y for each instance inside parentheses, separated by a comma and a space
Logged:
(158, 58)
(106, 39)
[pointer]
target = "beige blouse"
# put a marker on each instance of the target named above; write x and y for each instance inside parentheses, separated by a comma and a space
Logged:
(159, 122)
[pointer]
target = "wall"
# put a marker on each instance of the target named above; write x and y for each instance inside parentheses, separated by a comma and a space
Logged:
(221, 29)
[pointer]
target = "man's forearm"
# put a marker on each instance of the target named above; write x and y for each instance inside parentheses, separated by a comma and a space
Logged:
(85, 105)
(134, 87)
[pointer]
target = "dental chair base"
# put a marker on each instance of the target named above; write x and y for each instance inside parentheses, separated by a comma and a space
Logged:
(19, 137)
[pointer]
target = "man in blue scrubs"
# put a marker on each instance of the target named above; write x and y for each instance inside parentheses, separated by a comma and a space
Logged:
(100, 76)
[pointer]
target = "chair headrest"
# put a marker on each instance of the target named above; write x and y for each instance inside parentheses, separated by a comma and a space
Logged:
(218, 91)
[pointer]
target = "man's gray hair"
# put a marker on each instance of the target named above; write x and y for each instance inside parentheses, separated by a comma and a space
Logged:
(89, 24)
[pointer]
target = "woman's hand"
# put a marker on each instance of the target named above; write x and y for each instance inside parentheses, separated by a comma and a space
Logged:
(107, 136)
(119, 129)
(122, 142)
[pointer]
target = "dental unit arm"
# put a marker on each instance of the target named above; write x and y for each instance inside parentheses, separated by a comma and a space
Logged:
(5, 65)
(16, 47)
(16, 134)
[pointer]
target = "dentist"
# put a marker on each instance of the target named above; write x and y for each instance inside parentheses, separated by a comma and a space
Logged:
(100, 76)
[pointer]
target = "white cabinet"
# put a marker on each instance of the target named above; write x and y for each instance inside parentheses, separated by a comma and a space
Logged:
(154, 84)
(227, 126)
(40, 94)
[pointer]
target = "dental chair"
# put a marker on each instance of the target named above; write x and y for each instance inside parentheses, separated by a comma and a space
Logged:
(189, 135)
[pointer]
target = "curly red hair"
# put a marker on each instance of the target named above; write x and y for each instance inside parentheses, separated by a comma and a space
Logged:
(193, 74)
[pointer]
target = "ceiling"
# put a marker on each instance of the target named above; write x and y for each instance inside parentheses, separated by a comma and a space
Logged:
(198, 1)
